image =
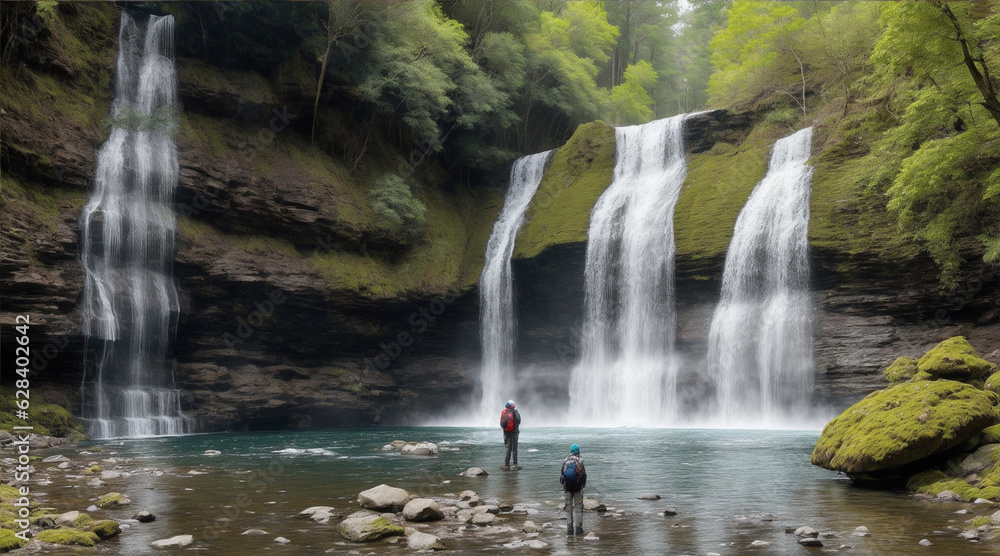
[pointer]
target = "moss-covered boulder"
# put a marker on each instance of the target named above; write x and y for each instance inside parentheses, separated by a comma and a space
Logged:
(105, 528)
(68, 536)
(993, 383)
(902, 369)
(9, 541)
(955, 359)
(902, 424)
(576, 176)
(366, 526)
(113, 500)
(990, 435)
(935, 482)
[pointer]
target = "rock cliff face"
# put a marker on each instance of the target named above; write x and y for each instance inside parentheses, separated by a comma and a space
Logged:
(302, 309)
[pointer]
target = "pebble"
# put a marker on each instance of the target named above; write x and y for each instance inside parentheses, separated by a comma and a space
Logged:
(963, 511)
(536, 544)
(861, 531)
(55, 459)
(591, 537)
(179, 540)
(808, 541)
(474, 472)
(806, 531)
(216, 453)
(767, 517)
(529, 527)
(254, 532)
(64, 465)
(670, 512)
(925, 542)
(282, 540)
(970, 535)
(758, 544)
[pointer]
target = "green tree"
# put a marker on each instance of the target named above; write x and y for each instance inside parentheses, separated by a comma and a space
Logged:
(392, 200)
(630, 102)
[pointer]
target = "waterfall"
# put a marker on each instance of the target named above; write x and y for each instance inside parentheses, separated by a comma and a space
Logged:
(760, 342)
(627, 374)
(130, 302)
(496, 295)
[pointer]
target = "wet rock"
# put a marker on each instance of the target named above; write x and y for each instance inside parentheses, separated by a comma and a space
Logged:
(422, 509)
(591, 537)
(113, 500)
(591, 504)
(474, 472)
(320, 514)
(254, 532)
(536, 544)
(649, 497)
(529, 527)
(806, 531)
(809, 541)
(366, 526)
(64, 465)
(282, 540)
(106, 528)
(486, 508)
(92, 508)
(482, 519)
(861, 531)
(759, 544)
(969, 535)
(978, 460)
(506, 507)
(995, 518)
(212, 453)
(144, 517)
(767, 517)
(67, 518)
(670, 512)
(981, 501)
(947, 495)
(383, 497)
(110, 474)
(963, 511)
(179, 540)
(925, 542)
(55, 459)
(394, 445)
(423, 541)
(97, 483)
(420, 449)
(469, 497)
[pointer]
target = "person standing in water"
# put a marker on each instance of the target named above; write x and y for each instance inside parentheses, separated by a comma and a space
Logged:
(510, 422)
(573, 478)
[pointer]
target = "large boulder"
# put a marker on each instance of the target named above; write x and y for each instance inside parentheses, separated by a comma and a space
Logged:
(955, 359)
(422, 509)
(903, 368)
(993, 383)
(420, 449)
(383, 498)
(904, 423)
(366, 526)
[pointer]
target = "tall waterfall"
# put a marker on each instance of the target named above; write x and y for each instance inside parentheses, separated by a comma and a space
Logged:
(760, 343)
(130, 302)
(496, 294)
(627, 374)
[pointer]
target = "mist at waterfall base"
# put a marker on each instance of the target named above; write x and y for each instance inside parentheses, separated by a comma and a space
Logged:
(130, 302)
(721, 482)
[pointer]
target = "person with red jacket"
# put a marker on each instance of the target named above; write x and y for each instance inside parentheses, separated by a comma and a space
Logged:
(510, 422)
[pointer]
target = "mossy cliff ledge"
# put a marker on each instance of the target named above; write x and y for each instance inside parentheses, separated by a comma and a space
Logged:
(922, 423)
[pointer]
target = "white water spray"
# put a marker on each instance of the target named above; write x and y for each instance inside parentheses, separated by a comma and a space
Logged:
(627, 373)
(496, 293)
(130, 302)
(760, 343)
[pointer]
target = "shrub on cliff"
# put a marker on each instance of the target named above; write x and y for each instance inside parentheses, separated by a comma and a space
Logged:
(392, 200)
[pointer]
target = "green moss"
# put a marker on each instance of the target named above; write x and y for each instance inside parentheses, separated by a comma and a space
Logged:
(576, 176)
(48, 419)
(718, 184)
(380, 528)
(84, 521)
(954, 358)
(935, 482)
(246, 87)
(990, 435)
(980, 521)
(903, 368)
(92, 469)
(993, 383)
(106, 528)
(902, 424)
(9, 541)
(112, 500)
(68, 536)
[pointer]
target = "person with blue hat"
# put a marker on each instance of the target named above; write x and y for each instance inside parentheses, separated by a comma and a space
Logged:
(573, 478)
(510, 422)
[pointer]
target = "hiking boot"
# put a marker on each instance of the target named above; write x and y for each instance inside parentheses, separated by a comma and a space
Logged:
(505, 468)
(569, 530)
(516, 467)
(579, 530)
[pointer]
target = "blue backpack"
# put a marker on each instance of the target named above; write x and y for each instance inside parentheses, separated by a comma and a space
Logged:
(571, 475)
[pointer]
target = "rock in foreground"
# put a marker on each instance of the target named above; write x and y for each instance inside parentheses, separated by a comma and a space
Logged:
(383, 498)
(365, 526)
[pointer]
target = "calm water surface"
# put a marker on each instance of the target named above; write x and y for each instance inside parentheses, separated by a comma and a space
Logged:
(722, 483)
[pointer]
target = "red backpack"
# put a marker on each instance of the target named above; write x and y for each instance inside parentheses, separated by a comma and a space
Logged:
(507, 420)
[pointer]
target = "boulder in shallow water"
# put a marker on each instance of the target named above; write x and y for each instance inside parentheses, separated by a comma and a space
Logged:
(420, 449)
(113, 500)
(106, 528)
(179, 540)
(423, 541)
(474, 472)
(902, 424)
(144, 517)
(593, 505)
(366, 526)
(422, 509)
(383, 498)
(484, 518)
(67, 537)
(955, 359)
(649, 497)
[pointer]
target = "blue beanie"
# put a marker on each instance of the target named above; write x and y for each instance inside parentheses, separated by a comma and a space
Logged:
(574, 449)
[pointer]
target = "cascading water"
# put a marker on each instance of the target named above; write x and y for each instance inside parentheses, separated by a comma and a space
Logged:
(496, 296)
(760, 342)
(627, 373)
(130, 302)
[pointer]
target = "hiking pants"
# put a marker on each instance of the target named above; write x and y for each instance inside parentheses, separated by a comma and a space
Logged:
(574, 505)
(510, 441)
